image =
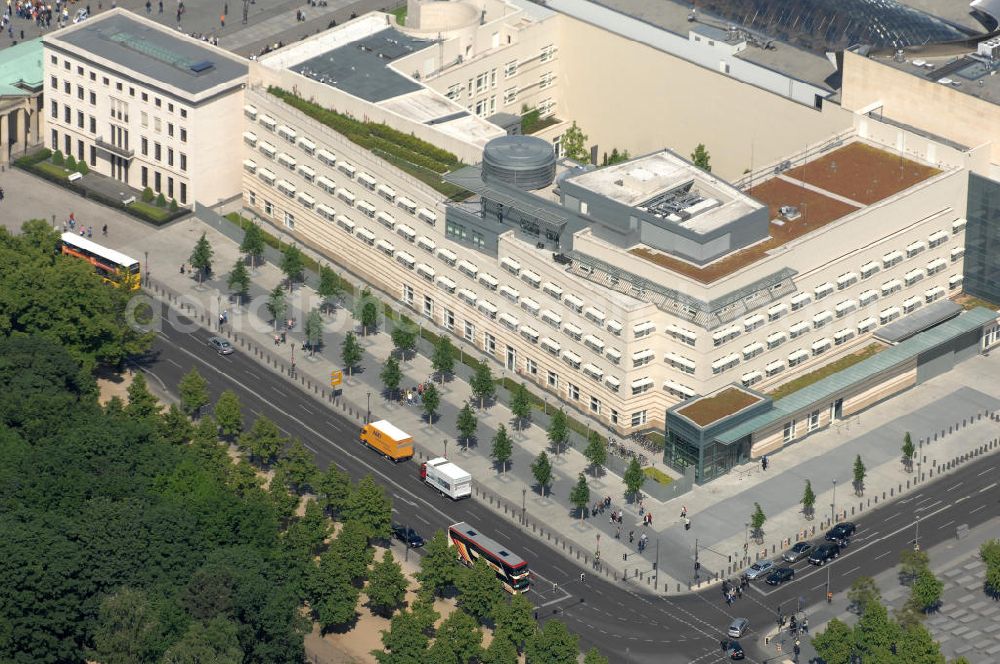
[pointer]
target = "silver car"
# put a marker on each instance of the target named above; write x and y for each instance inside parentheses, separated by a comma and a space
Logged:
(220, 345)
(738, 628)
(798, 552)
(759, 569)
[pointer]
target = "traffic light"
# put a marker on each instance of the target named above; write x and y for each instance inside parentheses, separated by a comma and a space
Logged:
(624, 556)
(697, 566)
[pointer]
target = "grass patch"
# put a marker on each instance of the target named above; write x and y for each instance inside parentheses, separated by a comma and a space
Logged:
(706, 410)
(155, 214)
(971, 302)
(400, 14)
(51, 169)
(532, 121)
(657, 476)
(821, 373)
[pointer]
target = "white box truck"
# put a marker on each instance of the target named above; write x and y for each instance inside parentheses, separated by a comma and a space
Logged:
(446, 477)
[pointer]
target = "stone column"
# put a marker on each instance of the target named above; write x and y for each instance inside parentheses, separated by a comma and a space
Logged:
(4, 139)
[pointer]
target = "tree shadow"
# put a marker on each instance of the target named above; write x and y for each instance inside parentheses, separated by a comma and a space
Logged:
(342, 628)
(471, 442)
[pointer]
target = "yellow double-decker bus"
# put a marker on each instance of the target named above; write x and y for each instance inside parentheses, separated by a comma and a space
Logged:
(113, 266)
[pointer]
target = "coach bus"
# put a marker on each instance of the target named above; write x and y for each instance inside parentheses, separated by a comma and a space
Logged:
(113, 266)
(511, 569)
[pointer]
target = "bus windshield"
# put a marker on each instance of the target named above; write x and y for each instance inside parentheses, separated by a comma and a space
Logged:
(470, 544)
(113, 266)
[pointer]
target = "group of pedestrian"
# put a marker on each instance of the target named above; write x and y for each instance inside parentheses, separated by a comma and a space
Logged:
(415, 394)
(733, 590)
(600, 506)
(70, 226)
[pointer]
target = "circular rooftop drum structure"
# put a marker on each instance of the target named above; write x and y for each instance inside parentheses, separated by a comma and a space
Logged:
(525, 162)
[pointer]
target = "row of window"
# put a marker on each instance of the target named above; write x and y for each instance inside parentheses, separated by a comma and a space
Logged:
(106, 82)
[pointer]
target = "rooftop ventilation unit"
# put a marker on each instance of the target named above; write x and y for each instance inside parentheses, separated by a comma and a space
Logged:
(989, 48)
(526, 162)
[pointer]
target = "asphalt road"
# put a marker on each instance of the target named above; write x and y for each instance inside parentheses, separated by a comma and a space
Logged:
(627, 626)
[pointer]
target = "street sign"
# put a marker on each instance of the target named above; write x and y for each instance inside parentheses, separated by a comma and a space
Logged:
(336, 377)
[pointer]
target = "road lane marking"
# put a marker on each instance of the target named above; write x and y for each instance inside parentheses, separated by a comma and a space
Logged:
(945, 525)
(422, 518)
(927, 507)
(530, 551)
(174, 363)
(819, 586)
(954, 486)
(977, 509)
(303, 407)
(892, 516)
(252, 374)
(311, 448)
(987, 488)
(853, 569)
(281, 392)
(988, 470)
(961, 499)
(883, 555)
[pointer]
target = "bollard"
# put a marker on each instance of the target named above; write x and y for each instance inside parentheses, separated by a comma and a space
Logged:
(890, 491)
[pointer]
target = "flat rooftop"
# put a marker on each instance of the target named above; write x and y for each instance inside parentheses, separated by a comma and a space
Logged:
(672, 189)
(840, 182)
(21, 70)
(703, 411)
(964, 71)
(160, 55)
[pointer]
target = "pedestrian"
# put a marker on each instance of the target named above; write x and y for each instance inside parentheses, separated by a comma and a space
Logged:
(161, 6)
(104, 230)
(631, 536)
(723, 644)
(729, 599)
(284, 338)
(277, 340)
(739, 592)
(649, 515)
(182, 264)
(618, 533)
(763, 462)
(90, 231)
(687, 523)
(642, 508)
(222, 20)
(684, 511)
(149, 7)
(805, 624)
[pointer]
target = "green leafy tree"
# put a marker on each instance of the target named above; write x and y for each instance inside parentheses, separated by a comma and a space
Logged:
(141, 404)
(370, 507)
(925, 591)
(366, 311)
(911, 562)
(405, 642)
(466, 423)
(228, 414)
(634, 478)
(541, 470)
(59, 160)
(334, 489)
(757, 520)
(443, 358)
(263, 441)
(501, 650)
(239, 281)
(558, 432)
(161, 200)
(502, 449)
(834, 645)
(216, 641)
(579, 495)
(875, 633)
(82, 168)
(201, 257)
(859, 475)
(352, 551)
(175, 427)
(277, 305)
(909, 450)
(989, 551)
(808, 500)
(862, 593)
(701, 158)
(293, 261)
(308, 533)
(514, 619)
(147, 193)
(459, 636)
(482, 383)
(478, 589)
(335, 602)
(391, 376)
(70, 163)
(299, 467)
(520, 406)
(329, 287)
(404, 339)
(594, 656)
(253, 243)
(431, 400)
(439, 567)
(917, 646)
(597, 450)
(126, 629)
(314, 330)
(553, 644)
(193, 390)
(386, 587)
(173, 205)
(350, 352)
(574, 145)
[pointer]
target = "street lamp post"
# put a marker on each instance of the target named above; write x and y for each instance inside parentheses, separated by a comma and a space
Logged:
(546, 407)
(524, 506)
(368, 416)
(916, 535)
(445, 448)
(218, 312)
(146, 264)
(656, 579)
(833, 505)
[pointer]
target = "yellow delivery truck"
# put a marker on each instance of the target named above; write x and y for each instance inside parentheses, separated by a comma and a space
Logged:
(388, 440)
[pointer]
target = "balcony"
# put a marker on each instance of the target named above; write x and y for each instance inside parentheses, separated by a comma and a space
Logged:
(124, 153)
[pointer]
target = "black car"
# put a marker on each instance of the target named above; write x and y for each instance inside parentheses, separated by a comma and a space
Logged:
(735, 650)
(824, 554)
(779, 576)
(407, 535)
(840, 531)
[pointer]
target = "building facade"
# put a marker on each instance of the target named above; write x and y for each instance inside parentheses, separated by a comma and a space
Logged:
(145, 105)
(20, 99)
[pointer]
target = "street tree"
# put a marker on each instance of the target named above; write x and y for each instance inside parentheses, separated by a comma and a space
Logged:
(405, 642)
(293, 261)
(314, 330)
(369, 506)
(909, 450)
(215, 640)
(350, 352)
(834, 645)
(634, 478)
(263, 441)
(329, 287)
(875, 634)
(277, 305)
(443, 358)
(597, 451)
(501, 650)
(757, 520)
(299, 467)
(438, 567)
(482, 384)
(351, 551)
(574, 144)
(503, 448)
(553, 644)
(239, 280)
(193, 391)
(541, 469)
(431, 400)
(514, 619)
(175, 427)
(701, 158)
(391, 376)
(579, 495)
(467, 423)
(253, 243)
(862, 593)
(366, 311)
(917, 646)
(228, 414)
(386, 587)
(308, 533)
(809, 500)
(520, 406)
(989, 551)
(458, 638)
(404, 339)
(925, 591)
(334, 489)
(478, 590)
(911, 561)
(859, 475)
(594, 656)
(141, 403)
(335, 602)
(201, 257)
(126, 627)
(558, 432)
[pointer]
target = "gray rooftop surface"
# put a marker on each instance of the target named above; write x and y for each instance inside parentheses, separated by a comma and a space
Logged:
(886, 359)
(966, 74)
(360, 68)
(929, 316)
(154, 52)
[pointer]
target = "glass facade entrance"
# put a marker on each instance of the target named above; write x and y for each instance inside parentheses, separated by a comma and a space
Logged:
(982, 239)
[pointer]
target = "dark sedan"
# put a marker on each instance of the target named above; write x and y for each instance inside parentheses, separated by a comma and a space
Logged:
(735, 650)
(407, 536)
(779, 576)
(797, 552)
(840, 531)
